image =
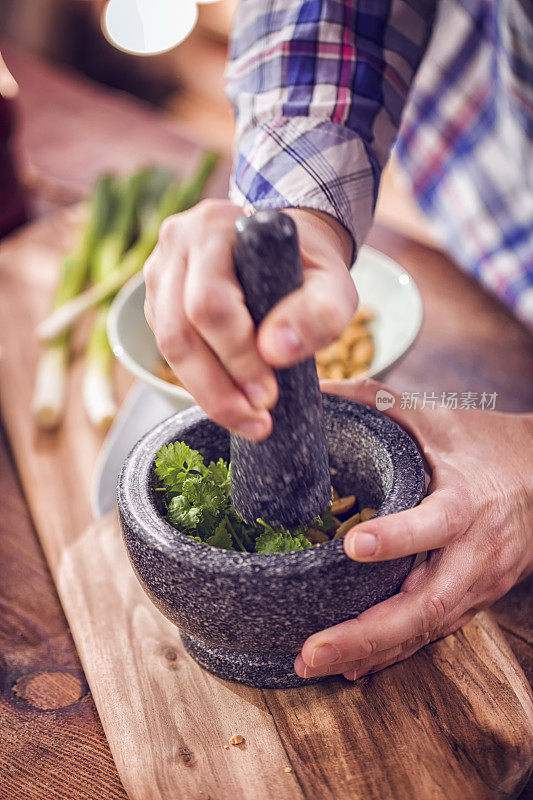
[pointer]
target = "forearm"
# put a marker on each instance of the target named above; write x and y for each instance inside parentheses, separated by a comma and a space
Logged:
(318, 91)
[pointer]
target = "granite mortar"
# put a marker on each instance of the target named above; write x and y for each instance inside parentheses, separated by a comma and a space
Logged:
(245, 616)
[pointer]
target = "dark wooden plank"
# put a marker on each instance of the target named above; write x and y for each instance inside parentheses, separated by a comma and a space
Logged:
(51, 740)
(514, 613)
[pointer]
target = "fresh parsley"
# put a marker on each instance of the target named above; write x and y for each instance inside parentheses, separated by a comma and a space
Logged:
(198, 503)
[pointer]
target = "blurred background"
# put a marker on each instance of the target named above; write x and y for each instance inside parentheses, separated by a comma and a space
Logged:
(186, 82)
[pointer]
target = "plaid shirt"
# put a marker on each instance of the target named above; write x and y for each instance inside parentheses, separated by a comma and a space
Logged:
(324, 88)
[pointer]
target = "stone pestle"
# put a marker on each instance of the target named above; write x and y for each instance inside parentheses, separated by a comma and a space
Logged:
(285, 479)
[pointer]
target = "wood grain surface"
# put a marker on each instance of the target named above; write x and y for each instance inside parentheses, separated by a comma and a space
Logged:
(454, 721)
(36, 744)
(71, 130)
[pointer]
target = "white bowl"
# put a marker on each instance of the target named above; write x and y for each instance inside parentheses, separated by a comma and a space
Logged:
(134, 345)
(383, 286)
(391, 293)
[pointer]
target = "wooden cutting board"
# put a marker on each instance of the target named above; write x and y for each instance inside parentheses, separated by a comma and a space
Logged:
(455, 722)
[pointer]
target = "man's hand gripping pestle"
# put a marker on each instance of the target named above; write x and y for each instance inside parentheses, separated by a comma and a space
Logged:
(283, 480)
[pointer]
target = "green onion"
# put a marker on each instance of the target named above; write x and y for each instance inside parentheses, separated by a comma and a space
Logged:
(50, 386)
(174, 199)
(97, 387)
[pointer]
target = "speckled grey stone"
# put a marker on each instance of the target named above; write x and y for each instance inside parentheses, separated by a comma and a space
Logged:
(284, 479)
(245, 616)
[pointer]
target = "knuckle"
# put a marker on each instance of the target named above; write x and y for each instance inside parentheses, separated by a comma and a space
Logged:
(502, 579)
(167, 230)
(209, 209)
(149, 274)
(405, 536)
(366, 646)
(433, 612)
(224, 414)
(174, 343)
(448, 519)
(208, 307)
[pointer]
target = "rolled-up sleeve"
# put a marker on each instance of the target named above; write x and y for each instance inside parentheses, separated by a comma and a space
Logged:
(318, 87)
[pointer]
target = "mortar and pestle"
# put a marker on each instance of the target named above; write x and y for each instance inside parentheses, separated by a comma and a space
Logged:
(242, 616)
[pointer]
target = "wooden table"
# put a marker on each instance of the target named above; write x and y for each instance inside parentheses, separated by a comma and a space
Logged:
(51, 741)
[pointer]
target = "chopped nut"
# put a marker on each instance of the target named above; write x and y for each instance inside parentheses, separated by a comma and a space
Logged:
(364, 314)
(346, 526)
(343, 504)
(336, 371)
(350, 355)
(288, 769)
(336, 351)
(317, 537)
(363, 352)
(366, 513)
(236, 739)
(226, 747)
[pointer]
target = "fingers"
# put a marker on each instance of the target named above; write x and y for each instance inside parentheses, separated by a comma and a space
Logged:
(215, 307)
(194, 362)
(195, 306)
(317, 313)
(418, 615)
(439, 519)
(386, 659)
(310, 318)
(352, 670)
(214, 390)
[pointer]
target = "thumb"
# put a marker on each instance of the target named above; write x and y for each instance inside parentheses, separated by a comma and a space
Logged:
(309, 318)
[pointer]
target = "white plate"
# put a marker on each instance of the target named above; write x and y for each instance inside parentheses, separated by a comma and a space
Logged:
(383, 286)
(143, 409)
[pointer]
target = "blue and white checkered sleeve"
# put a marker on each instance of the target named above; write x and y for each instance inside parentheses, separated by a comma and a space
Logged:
(318, 87)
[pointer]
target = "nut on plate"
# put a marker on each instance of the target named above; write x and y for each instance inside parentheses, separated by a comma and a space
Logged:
(236, 739)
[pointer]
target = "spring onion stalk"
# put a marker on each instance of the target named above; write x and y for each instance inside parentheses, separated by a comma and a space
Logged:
(97, 386)
(155, 183)
(48, 401)
(175, 199)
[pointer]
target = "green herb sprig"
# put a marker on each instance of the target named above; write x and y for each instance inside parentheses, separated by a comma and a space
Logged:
(198, 503)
